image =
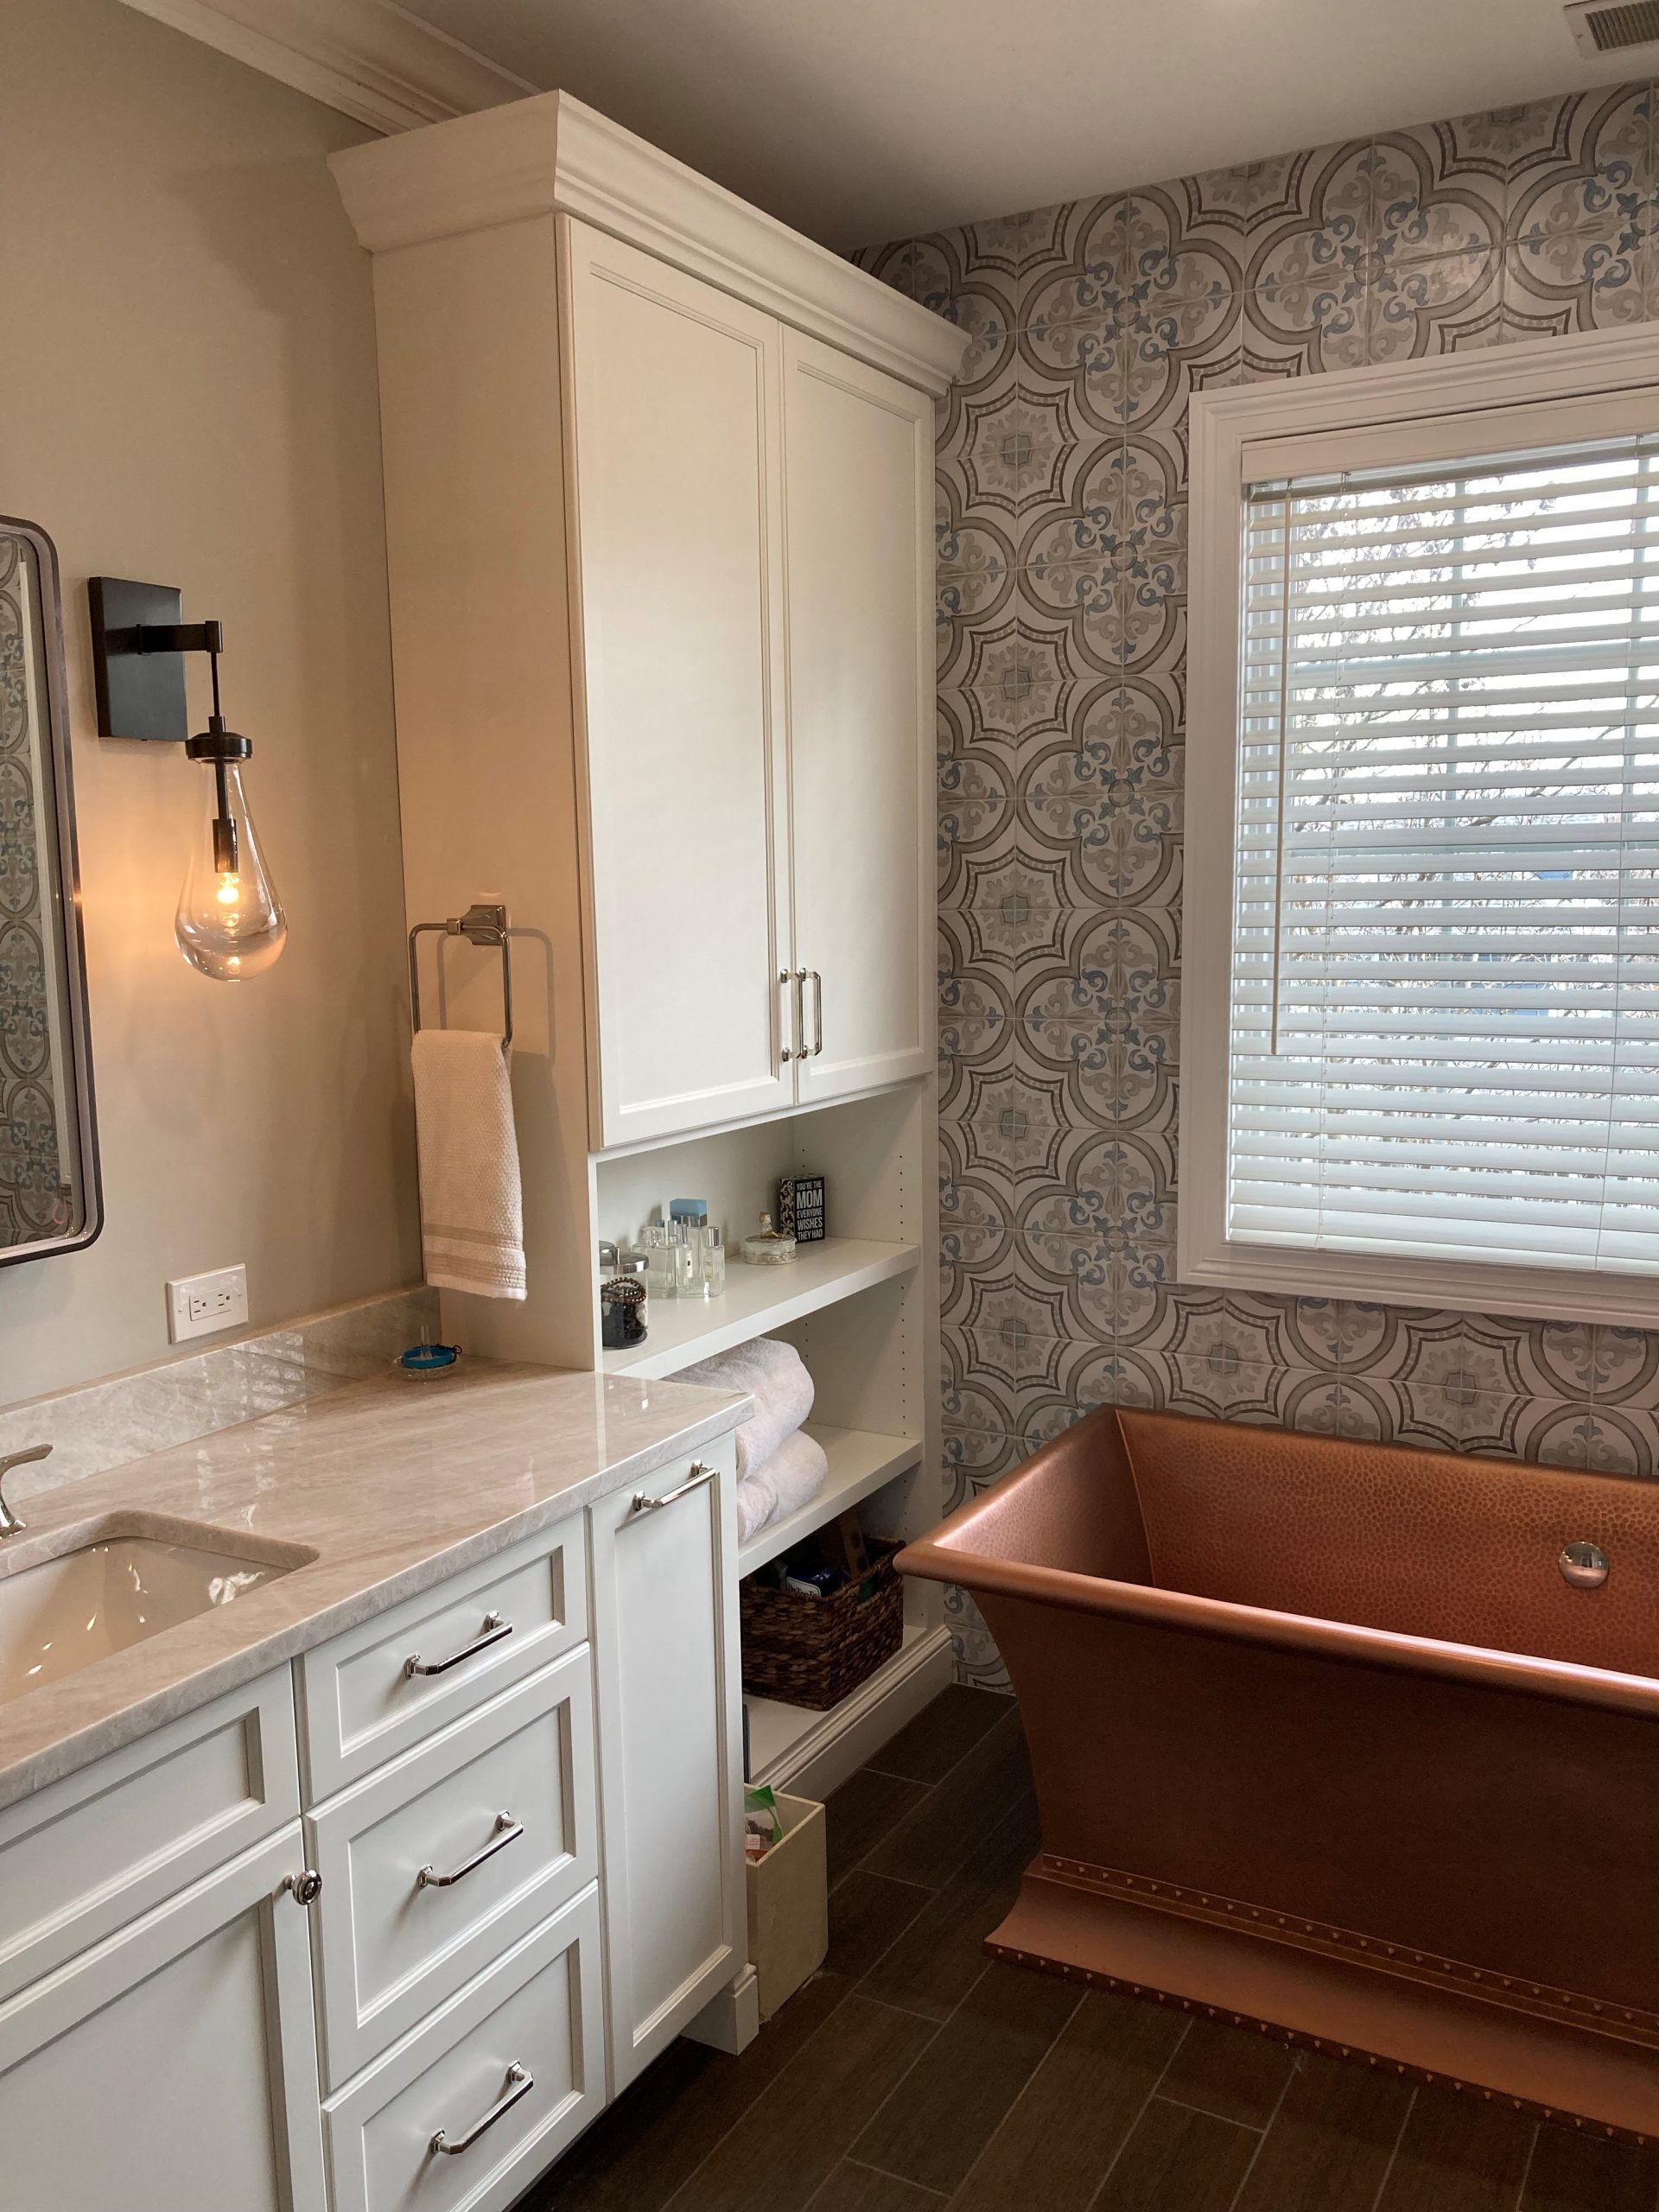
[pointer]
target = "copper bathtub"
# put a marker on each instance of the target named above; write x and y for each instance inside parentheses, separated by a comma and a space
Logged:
(1325, 1741)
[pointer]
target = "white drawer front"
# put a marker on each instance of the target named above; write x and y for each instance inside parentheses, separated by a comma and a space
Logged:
(83, 1856)
(536, 2013)
(362, 1700)
(433, 1867)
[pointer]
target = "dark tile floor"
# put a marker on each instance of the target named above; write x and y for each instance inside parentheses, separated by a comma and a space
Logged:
(912, 2074)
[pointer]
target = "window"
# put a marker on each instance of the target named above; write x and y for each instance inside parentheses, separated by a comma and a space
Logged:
(1422, 1041)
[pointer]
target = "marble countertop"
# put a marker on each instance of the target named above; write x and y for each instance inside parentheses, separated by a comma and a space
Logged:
(393, 1484)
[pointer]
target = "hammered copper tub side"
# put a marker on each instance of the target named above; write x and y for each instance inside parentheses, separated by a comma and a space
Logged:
(1324, 1740)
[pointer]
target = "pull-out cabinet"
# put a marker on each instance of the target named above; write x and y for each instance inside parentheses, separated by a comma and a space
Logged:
(671, 1755)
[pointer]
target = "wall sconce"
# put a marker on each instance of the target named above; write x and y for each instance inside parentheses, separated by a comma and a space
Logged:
(230, 922)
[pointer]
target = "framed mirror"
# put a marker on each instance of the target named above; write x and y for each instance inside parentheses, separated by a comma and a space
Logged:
(50, 1199)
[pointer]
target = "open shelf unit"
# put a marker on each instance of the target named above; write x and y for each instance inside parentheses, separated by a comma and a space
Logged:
(759, 1301)
(810, 1752)
(860, 1308)
(861, 1463)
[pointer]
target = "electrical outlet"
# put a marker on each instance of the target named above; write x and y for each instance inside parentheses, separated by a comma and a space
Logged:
(199, 1306)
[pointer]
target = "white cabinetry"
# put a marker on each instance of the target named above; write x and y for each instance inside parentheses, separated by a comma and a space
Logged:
(434, 1865)
(659, 541)
(509, 2072)
(757, 846)
(858, 460)
(484, 1899)
(672, 478)
(172, 2068)
(670, 1770)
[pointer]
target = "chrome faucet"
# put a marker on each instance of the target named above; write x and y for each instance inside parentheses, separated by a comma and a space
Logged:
(10, 1523)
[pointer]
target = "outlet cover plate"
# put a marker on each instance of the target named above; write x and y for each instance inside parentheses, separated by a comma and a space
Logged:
(200, 1306)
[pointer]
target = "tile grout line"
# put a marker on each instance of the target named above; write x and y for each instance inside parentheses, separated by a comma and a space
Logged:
(1129, 2133)
(929, 1788)
(1526, 2170)
(794, 2059)
(1394, 2155)
(1251, 2126)
(939, 2027)
(1237, 2195)
(865, 2166)
(1025, 2087)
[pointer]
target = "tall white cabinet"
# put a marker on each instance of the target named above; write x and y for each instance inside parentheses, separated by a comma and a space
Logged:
(659, 518)
(858, 476)
(674, 479)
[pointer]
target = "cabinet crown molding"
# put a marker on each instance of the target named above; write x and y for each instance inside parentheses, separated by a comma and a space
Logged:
(369, 59)
(550, 155)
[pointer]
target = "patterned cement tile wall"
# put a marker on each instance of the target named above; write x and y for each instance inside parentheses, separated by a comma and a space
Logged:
(1062, 636)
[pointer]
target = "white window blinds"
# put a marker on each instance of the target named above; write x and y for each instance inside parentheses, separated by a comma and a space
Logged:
(1445, 938)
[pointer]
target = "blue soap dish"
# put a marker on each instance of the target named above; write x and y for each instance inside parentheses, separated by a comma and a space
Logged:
(428, 1359)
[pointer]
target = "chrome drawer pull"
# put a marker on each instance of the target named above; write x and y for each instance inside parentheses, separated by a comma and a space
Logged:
(505, 1831)
(494, 1628)
(520, 2082)
(817, 1012)
(783, 978)
(642, 1504)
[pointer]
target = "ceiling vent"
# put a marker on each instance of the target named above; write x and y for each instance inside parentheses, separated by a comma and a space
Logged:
(1613, 26)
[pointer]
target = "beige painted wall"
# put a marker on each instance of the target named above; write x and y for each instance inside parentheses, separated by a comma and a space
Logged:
(188, 395)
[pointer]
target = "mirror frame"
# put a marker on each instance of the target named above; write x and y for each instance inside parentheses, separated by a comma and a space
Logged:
(65, 898)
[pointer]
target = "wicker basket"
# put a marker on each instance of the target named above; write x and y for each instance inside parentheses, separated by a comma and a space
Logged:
(813, 1651)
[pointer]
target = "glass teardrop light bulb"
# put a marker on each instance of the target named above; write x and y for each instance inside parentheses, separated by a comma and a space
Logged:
(230, 922)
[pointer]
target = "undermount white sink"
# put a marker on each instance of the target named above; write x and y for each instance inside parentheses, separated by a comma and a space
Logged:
(105, 1595)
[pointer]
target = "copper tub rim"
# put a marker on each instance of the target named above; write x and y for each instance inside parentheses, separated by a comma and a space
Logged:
(938, 1557)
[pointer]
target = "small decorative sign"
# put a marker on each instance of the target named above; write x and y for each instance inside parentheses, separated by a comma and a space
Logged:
(800, 1208)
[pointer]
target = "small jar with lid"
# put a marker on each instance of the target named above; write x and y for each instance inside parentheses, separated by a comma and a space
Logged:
(768, 1247)
(623, 1305)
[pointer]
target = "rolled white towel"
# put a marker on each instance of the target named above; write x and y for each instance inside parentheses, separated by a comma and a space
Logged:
(773, 1374)
(793, 1476)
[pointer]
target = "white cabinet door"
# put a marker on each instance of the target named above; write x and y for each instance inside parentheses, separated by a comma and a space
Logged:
(670, 1753)
(858, 487)
(173, 2068)
(671, 397)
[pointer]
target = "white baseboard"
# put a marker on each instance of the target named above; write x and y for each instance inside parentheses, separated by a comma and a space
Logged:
(731, 2019)
(821, 1760)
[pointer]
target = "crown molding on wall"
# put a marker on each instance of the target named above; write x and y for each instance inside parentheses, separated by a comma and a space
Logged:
(551, 155)
(370, 58)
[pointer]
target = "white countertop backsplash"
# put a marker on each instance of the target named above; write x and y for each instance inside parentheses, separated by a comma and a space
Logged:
(102, 1425)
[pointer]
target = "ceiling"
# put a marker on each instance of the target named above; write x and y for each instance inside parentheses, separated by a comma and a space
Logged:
(860, 121)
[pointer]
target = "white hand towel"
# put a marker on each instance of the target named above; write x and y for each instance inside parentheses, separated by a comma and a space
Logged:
(793, 1476)
(472, 1213)
(774, 1376)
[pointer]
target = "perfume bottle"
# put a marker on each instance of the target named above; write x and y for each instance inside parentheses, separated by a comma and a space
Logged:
(689, 1217)
(661, 1274)
(713, 1261)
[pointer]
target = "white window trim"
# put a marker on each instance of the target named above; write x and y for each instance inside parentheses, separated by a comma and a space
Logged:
(1558, 371)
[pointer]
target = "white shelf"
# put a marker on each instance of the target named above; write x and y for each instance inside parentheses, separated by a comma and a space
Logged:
(860, 1462)
(814, 1753)
(684, 1329)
